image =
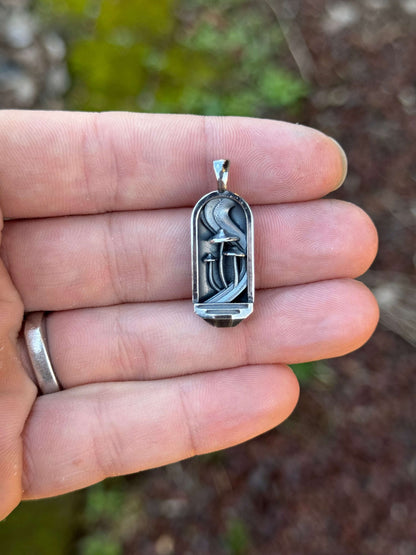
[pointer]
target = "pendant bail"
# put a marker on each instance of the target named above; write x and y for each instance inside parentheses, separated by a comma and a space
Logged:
(221, 173)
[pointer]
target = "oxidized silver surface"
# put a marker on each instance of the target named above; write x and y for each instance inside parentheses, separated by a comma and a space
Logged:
(222, 255)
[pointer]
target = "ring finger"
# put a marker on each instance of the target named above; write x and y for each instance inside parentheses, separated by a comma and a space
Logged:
(87, 261)
(165, 339)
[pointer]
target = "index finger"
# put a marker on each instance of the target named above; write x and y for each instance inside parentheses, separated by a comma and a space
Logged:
(62, 163)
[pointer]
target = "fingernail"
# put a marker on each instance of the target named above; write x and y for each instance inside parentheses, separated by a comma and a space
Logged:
(344, 162)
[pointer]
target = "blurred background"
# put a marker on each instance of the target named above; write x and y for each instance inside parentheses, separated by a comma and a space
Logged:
(339, 477)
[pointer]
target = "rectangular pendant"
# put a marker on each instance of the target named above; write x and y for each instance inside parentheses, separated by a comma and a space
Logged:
(222, 255)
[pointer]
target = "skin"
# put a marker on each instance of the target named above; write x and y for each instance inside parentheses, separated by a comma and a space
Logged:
(97, 211)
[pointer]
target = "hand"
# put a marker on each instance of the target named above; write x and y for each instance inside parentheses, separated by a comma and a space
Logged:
(97, 232)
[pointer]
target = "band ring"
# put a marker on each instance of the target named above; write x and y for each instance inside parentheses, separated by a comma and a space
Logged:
(36, 343)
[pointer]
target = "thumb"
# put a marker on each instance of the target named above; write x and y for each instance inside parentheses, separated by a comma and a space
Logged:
(17, 394)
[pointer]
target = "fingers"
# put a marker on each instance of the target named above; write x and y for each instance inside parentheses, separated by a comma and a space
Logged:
(62, 263)
(104, 430)
(160, 340)
(58, 163)
(17, 394)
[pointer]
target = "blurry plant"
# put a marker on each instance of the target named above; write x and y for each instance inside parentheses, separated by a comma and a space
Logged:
(236, 539)
(99, 544)
(103, 504)
(44, 526)
(112, 515)
(198, 56)
(318, 371)
(304, 371)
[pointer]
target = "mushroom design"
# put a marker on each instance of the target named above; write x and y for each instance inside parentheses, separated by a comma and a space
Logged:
(209, 259)
(221, 238)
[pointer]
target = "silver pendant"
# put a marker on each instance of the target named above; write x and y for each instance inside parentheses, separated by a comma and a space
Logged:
(222, 255)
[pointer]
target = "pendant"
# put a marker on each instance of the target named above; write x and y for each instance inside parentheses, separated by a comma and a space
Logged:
(222, 255)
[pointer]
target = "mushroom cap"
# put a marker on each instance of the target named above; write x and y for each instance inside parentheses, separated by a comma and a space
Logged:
(234, 252)
(221, 237)
(209, 258)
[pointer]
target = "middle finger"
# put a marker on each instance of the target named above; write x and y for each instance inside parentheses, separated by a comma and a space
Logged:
(91, 261)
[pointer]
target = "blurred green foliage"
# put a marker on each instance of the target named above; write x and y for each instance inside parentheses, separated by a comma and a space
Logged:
(112, 514)
(236, 539)
(44, 527)
(195, 56)
(103, 503)
(319, 371)
(304, 371)
(100, 543)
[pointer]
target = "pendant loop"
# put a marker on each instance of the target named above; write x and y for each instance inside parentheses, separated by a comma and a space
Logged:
(221, 173)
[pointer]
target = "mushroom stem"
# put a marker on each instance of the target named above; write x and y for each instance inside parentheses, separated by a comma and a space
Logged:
(235, 272)
(211, 278)
(221, 265)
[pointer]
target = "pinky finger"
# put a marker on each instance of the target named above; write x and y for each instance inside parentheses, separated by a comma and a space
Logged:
(80, 436)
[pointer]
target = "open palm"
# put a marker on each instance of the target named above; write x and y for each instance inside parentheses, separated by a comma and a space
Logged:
(97, 210)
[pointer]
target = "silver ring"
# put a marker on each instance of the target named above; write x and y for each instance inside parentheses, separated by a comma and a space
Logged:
(37, 348)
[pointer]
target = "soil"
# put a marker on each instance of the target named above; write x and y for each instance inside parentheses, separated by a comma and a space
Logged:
(340, 476)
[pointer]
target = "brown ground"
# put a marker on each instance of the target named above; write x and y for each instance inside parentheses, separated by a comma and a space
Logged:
(340, 477)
